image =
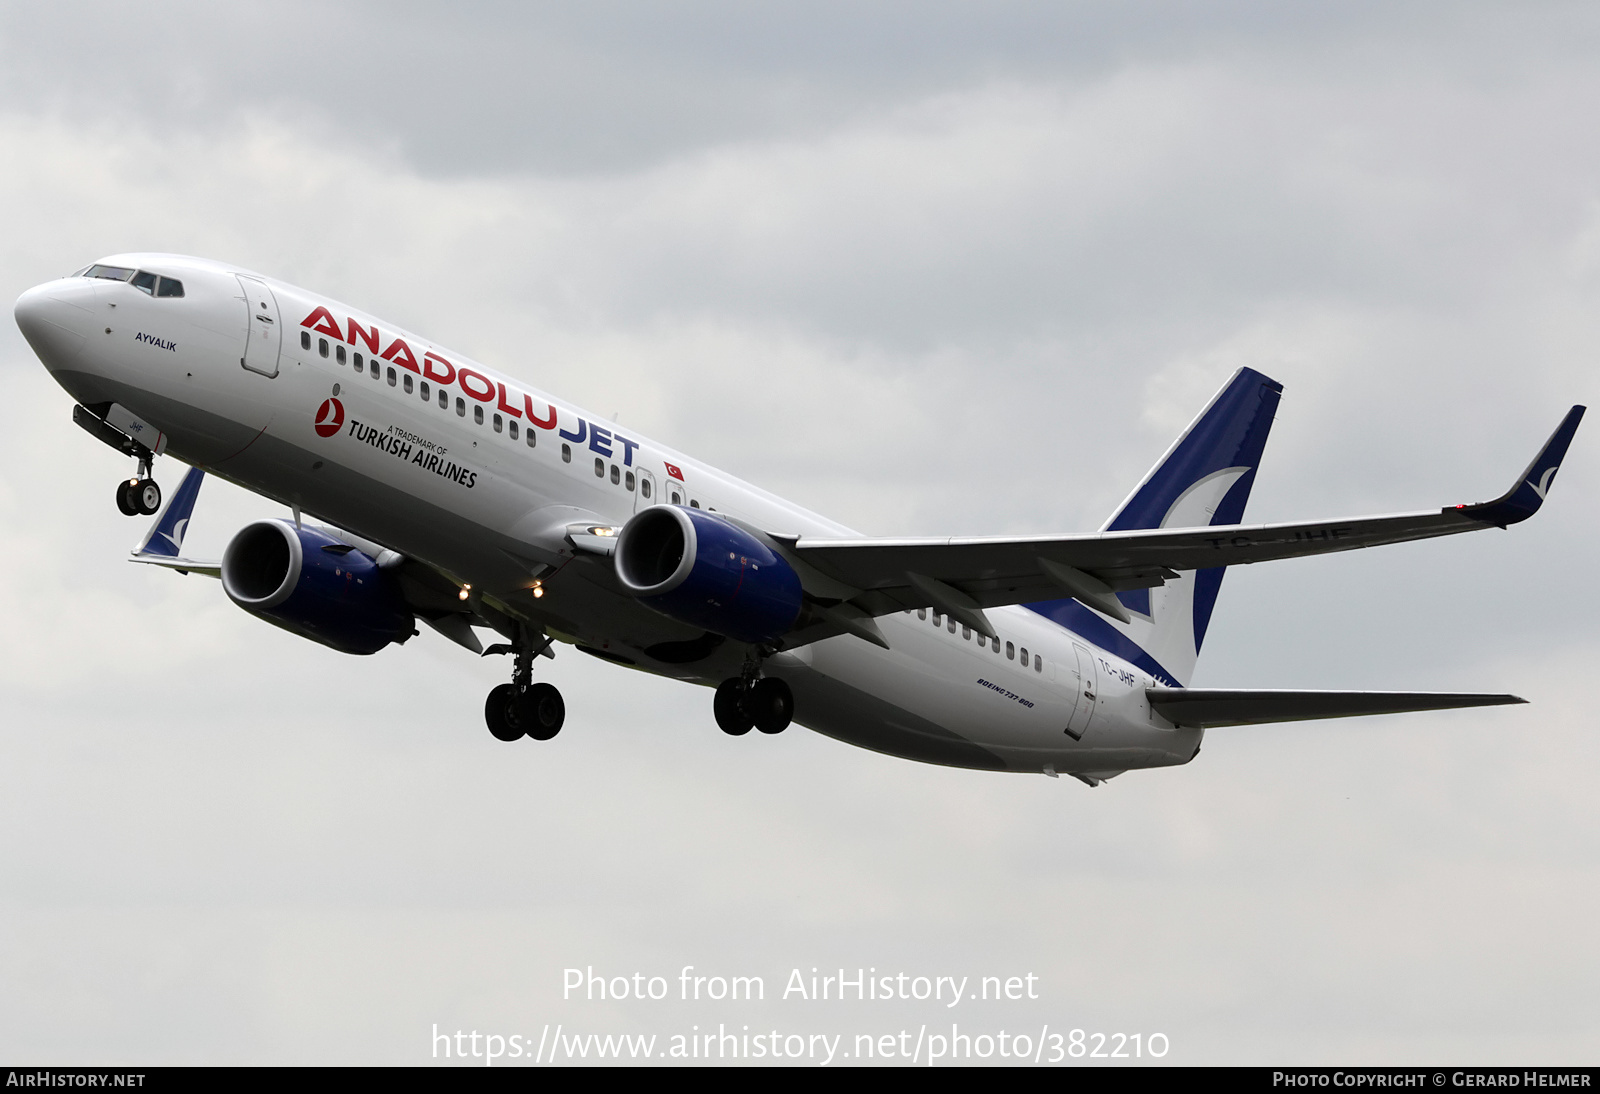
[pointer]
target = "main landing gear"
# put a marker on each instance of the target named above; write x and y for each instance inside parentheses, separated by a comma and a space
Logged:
(743, 702)
(139, 494)
(523, 708)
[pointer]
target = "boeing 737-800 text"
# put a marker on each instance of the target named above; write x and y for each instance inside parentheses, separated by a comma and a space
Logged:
(464, 498)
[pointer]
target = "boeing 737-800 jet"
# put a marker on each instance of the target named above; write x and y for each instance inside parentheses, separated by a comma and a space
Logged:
(450, 493)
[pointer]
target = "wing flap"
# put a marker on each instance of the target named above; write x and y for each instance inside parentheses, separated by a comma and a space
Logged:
(1206, 708)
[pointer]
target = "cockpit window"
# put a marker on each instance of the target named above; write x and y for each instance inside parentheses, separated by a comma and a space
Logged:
(143, 280)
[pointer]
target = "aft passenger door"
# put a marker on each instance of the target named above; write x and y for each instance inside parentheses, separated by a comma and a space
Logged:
(263, 336)
(1083, 698)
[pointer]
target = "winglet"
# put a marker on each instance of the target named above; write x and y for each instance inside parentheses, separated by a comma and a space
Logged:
(1523, 499)
(165, 536)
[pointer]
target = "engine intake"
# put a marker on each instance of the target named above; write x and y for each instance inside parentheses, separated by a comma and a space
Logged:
(307, 582)
(699, 569)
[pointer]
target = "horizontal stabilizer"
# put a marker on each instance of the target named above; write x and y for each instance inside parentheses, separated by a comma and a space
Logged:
(1203, 708)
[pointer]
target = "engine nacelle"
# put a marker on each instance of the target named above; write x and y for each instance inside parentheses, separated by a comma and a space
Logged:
(698, 569)
(307, 582)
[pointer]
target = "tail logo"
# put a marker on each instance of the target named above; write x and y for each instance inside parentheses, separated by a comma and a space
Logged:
(1542, 487)
(175, 537)
(330, 417)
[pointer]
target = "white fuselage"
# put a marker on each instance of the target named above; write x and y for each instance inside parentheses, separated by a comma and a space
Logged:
(458, 485)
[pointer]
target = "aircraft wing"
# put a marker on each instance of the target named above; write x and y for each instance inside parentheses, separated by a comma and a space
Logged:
(1204, 708)
(964, 575)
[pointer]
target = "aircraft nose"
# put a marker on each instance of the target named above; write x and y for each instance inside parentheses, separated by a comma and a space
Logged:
(54, 318)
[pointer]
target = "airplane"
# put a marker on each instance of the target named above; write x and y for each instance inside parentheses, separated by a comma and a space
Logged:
(422, 485)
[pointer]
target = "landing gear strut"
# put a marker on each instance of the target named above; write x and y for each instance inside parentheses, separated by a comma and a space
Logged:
(748, 700)
(139, 494)
(523, 708)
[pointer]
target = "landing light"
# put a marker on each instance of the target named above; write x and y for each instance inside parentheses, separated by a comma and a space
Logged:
(466, 591)
(601, 530)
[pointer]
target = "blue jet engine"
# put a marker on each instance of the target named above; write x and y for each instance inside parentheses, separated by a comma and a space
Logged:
(699, 569)
(307, 582)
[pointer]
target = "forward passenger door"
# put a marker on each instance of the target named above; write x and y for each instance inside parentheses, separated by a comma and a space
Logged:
(263, 336)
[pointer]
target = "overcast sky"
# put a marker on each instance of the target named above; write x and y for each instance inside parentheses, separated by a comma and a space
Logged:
(925, 268)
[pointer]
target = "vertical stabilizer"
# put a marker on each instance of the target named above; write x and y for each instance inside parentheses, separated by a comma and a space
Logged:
(1204, 479)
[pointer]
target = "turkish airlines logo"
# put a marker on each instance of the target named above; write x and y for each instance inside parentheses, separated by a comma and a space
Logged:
(330, 417)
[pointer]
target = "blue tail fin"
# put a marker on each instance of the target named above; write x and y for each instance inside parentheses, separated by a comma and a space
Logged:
(1204, 479)
(165, 536)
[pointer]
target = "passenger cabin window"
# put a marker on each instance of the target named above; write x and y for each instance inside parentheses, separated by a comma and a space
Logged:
(426, 393)
(360, 362)
(922, 613)
(693, 504)
(512, 426)
(1011, 652)
(393, 376)
(373, 369)
(628, 480)
(498, 423)
(599, 468)
(444, 399)
(406, 381)
(966, 632)
(950, 624)
(461, 407)
(616, 475)
(533, 438)
(566, 452)
(322, 346)
(305, 339)
(338, 354)
(644, 486)
(477, 415)
(1023, 654)
(1038, 663)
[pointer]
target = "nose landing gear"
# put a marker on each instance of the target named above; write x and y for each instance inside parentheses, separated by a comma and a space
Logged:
(139, 495)
(743, 702)
(523, 708)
